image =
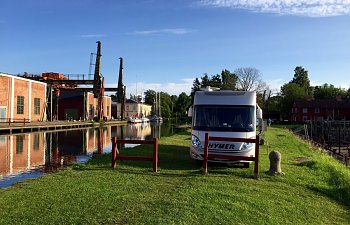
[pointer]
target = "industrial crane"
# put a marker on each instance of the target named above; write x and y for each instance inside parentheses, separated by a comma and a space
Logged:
(98, 86)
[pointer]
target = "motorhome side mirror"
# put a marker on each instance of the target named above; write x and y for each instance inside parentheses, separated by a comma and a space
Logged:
(259, 113)
(189, 113)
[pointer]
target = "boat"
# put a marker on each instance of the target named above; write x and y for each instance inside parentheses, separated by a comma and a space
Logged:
(156, 119)
(145, 120)
(134, 120)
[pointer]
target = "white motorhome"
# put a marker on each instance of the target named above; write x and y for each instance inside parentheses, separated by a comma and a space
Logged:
(224, 113)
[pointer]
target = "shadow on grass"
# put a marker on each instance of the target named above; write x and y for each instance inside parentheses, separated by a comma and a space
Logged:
(170, 158)
(337, 183)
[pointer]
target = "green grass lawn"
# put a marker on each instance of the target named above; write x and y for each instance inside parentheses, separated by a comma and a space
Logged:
(314, 190)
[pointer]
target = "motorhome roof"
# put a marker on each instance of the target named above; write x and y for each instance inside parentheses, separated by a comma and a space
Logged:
(225, 97)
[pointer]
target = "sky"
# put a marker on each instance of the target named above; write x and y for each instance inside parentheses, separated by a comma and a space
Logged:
(166, 44)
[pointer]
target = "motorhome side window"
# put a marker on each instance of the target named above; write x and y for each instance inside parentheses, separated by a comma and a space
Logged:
(224, 118)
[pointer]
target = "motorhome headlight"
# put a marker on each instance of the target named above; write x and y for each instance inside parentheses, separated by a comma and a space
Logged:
(196, 142)
(247, 146)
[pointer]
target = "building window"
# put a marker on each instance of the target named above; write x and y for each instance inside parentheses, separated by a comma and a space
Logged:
(20, 104)
(317, 110)
(304, 110)
(304, 118)
(107, 110)
(36, 142)
(127, 107)
(91, 110)
(134, 107)
(19, 144)
(36, 106)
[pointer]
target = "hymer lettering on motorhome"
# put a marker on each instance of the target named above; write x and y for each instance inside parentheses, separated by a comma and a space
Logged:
(232, 114)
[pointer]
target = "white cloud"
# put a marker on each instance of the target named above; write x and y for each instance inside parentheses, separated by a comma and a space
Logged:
(275, 85)
(92, 35)
(310, 8)
(171, 88)
(176, 31)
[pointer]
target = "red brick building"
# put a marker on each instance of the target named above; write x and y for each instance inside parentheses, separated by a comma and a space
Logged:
(21, 99)
(323, 109)
(77, 105)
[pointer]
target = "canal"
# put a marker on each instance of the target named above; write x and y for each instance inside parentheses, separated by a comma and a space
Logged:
(31, 155)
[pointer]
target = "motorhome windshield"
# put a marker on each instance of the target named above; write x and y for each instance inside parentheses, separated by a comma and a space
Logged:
(224, 118)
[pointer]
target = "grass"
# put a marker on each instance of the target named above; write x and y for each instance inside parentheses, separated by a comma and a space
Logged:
(314, 190)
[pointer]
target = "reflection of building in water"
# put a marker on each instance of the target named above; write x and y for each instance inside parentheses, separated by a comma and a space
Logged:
(97, 139)
(139, 131)
(79, 142)
(19, 153)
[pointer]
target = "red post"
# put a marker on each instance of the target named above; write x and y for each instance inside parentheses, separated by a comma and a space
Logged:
(155, 155)
(114, 151)
(205, 159)
(256, 158)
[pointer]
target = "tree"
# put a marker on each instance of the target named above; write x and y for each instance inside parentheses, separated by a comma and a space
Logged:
(290, 93)
(165, 104)
(113, 98)
(249, 79)
(182, 104)
(149, 97)
(229, 80)
(225, 81)
(328, 91)
(301, 78)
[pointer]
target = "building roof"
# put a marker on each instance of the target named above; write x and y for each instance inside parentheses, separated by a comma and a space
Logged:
(323, 103)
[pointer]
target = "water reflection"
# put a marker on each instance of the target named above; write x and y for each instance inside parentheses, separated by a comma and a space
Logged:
(30, 155)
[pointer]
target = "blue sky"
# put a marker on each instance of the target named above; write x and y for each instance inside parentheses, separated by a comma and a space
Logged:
(167, 43)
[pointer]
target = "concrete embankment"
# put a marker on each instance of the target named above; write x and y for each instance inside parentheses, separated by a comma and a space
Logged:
(11, 128)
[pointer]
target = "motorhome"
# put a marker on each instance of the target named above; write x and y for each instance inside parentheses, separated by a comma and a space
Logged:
(224, 113)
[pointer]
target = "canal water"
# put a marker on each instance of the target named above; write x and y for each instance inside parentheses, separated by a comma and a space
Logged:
(31, 155)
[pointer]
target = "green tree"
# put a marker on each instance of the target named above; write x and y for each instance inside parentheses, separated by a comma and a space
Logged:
(225, 81)
(229, 80)
(182, 104)
(328, 91)
(301, 78)
(149, 97)
(165, 104)
(290, 92)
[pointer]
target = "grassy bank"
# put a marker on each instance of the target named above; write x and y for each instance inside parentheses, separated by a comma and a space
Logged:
(314, 190)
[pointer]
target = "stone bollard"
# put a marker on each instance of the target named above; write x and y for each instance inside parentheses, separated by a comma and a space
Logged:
(275, 163)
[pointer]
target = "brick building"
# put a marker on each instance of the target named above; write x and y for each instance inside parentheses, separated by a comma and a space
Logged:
(77, 105)
(21, 99)
(322, 109)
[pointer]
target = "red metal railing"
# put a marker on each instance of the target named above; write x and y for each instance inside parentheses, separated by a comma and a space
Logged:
(229, 157)
(10, 121)
(154, 157)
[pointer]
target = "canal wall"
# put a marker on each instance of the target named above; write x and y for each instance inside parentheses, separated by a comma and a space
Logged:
(24, 127)
(332, 136)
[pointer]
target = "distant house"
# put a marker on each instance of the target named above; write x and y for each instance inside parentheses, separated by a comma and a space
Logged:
(323, 109)
(132, 109)
(21, 99)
